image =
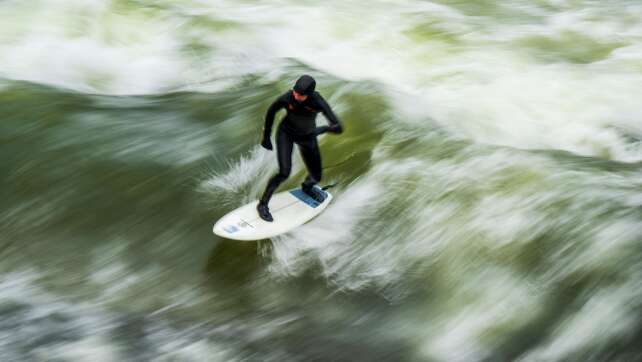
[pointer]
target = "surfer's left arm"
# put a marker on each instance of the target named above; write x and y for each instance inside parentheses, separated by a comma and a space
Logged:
(333, 120)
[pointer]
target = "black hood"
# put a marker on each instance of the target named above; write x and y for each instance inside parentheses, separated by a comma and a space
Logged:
(305, 85)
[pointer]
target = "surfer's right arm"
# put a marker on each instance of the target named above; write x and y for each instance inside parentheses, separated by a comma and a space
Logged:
(279, 103)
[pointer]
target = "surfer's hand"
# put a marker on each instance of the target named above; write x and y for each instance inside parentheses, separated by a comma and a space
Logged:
(267, 144)
(335, 128)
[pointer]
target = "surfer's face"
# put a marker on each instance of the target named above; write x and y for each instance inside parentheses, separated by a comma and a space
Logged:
(299, 97)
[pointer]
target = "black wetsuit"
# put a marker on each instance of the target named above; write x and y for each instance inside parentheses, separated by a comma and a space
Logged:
(298, 126)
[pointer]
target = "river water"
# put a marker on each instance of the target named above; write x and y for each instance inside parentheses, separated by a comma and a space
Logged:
(489, 197)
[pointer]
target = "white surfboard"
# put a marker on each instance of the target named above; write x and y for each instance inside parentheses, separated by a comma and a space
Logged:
(289, 209)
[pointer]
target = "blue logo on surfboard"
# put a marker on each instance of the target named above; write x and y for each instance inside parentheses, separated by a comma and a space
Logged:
(231, 229)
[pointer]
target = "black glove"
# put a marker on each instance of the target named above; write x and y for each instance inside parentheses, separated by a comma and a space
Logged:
(335, 128)
(266, 142)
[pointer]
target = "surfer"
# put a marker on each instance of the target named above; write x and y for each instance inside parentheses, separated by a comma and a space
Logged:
(298, 126)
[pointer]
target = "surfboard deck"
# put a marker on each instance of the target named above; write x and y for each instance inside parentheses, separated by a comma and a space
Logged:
(290, 209)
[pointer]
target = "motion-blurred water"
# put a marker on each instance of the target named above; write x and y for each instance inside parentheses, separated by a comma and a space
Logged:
(489, 198)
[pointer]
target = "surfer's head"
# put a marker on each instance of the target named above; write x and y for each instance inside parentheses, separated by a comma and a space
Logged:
(303, 87)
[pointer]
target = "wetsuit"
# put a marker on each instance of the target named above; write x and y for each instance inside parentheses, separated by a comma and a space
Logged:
(298, 126)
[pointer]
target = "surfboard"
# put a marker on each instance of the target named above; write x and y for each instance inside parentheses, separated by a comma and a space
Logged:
(290, 209)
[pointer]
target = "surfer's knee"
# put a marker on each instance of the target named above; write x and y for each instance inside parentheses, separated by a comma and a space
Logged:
(279, 177)
(283, 174)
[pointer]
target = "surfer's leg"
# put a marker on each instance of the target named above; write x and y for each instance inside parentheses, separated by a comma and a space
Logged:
(284, 144)
(311, 155)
